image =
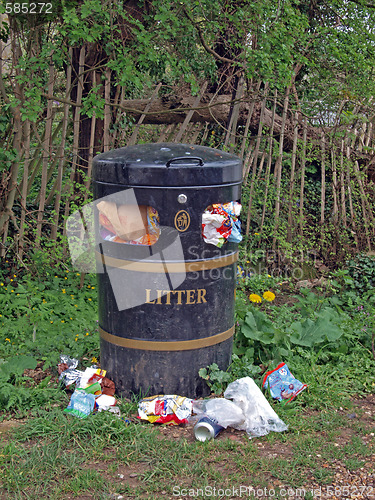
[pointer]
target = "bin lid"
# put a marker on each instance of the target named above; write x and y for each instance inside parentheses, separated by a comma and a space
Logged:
(167, 164)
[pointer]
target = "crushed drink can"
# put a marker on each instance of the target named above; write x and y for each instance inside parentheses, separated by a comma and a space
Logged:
(206, 428)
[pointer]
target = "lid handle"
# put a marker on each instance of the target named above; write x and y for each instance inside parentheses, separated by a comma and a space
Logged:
(185, 159)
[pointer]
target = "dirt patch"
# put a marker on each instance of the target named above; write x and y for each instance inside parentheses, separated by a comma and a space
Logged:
(38, 374)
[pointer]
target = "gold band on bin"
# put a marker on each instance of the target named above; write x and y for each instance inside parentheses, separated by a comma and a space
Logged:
(179, 345)
(171, 267)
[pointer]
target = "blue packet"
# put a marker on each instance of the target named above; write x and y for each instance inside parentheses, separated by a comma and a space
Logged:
(281, 383)
(81, 403)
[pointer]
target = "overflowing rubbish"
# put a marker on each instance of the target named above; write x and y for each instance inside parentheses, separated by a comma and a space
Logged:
(132, 224)
(165, 409)
(93, 390)
(243, 407)
(282, 385)
(220, 223)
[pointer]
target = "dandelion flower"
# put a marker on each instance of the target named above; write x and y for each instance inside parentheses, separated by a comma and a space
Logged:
(255, 298)
(269, 296)
(94, 360)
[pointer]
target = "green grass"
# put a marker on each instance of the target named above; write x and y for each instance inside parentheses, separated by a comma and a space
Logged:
(51, 455)
(64, 456)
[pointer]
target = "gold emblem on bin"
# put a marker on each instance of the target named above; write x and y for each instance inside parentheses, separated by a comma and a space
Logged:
(182, 220)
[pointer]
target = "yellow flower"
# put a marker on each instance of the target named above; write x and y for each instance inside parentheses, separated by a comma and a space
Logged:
(87, 333)
(269, 296)
(63, 290)
(62, 321)
(269, 275)
(51, 321)
(7, 340)
(94, 360)
(1, 284)
(256, 234)
(78, 274)
(255, 298)
(89, 299)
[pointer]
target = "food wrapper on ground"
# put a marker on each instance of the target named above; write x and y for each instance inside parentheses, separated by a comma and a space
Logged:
(108, 386)
(132, 224)
(260, 418)
(281, 383)
(104, 402)
(220, 223)
(90, 376)
(164, 409)
(70, 376)
(81, 404)
(66, 362)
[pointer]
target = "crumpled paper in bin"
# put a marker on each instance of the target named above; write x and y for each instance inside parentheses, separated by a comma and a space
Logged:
(220, 223)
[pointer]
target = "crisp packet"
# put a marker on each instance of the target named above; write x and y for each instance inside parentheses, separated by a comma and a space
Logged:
(164, 409)
(220, 223)
(81, 404)
(282, 384)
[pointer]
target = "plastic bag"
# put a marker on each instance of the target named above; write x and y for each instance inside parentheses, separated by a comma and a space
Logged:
(81, 404)
(221, 410)
(260, 418)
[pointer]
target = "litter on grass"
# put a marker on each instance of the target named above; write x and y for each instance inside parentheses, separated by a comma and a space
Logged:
(165, 409)
(93, 390)
(244, 408)
(281, 383)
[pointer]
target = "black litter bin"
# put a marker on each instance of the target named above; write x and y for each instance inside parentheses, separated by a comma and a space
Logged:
(167, 309)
